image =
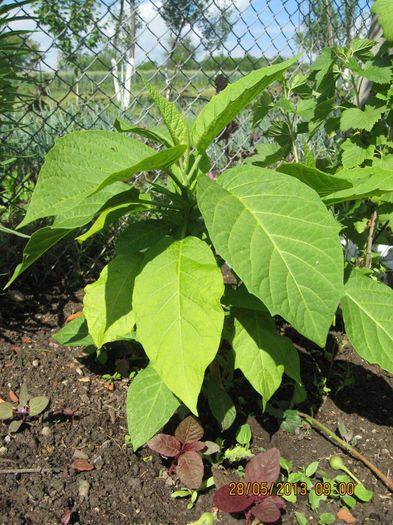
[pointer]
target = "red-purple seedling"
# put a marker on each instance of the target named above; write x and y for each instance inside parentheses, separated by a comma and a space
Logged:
(70, 412)
(27, 407)
(185, 447)
(255, 494)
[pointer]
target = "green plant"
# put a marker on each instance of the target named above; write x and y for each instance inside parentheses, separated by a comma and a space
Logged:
(276, 230)
(360, 491)
(26, 407)
(185, 492)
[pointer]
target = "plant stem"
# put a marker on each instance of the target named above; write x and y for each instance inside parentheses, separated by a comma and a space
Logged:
(175, 180)
(354, 452)
(26, 470)
(292, 139)
(158, 204)
(381, 231)
(370, 238)
(194, 169)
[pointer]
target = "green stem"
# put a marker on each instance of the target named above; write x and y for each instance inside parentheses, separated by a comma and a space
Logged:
(158, 204)
(350, 449)
(290, 123)
(175, 180)
(355, 88)
(193, 171)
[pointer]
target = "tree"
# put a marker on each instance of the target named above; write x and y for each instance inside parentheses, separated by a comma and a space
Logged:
(72, 26)
(124, 41)
(184, 53)
(178, 14)
(327, 23)
(216, 28)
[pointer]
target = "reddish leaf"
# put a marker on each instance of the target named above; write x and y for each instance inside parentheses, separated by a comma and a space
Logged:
(26, 340)
(225, 501)
(267, 511)
(196, 446)
(278, 501)
(189, 430)
(13, 397)
(65, 519)
(263, 467)
(190, 469)
(81, 465)
(165, 445)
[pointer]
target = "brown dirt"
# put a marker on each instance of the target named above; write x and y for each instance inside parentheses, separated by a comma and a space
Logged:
(125, 487)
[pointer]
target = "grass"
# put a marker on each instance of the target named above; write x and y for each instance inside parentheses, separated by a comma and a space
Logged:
(98, 85)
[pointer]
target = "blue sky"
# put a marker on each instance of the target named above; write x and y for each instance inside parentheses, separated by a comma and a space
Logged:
(260, 27)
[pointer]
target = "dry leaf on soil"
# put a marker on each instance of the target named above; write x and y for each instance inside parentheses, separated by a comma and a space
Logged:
(82, 465)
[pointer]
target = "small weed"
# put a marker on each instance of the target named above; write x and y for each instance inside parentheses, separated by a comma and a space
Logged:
(185, 447)
(27, 407)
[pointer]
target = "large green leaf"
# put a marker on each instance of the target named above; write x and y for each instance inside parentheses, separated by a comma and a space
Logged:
(150, 404)
(162, 159)
(384, 9)
(242, 298)
(174, 120)
(261, 354)
(323, 183)
(223, 107)
(220, 403)
(77, 165)
(282, 242)
(85, 211)
(74, 333)
(38, 244)
(141, 235)
(111, 213)
(355, 118)
(178, 313)
(366, 183)
(108, 302)
(160, 133)
(368, 316)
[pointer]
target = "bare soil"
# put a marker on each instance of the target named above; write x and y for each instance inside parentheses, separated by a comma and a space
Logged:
(38, 483)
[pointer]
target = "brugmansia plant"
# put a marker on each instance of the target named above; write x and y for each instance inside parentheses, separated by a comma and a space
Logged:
(275, 229)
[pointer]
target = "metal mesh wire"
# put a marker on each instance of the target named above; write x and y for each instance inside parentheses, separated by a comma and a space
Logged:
(182, 65)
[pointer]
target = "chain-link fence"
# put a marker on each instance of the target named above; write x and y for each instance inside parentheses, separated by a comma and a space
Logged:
(91, 54)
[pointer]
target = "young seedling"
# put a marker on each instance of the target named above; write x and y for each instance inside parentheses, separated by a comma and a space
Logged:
(27, 407)
(185, 447)
(186, 492)
(242, 449)
(360, 491)
(70, 412)
(254, 495)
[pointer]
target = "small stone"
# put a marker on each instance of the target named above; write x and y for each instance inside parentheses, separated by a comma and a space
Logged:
(46, 431)
(98, 462)
(3, 451)
(78, 454)
(83, 489)
(7, 439)
(36, 363)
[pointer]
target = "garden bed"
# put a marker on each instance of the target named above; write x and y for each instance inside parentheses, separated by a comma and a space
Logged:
(38, 483)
